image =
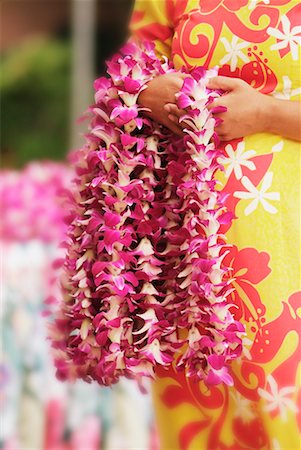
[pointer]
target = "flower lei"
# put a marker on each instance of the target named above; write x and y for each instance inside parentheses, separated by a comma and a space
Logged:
(32, 203)
(144, 281)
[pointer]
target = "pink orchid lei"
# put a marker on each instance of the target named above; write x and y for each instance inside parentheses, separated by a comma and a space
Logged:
(144, 281)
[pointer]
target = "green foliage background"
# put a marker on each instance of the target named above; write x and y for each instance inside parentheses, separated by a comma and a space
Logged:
(35, 99)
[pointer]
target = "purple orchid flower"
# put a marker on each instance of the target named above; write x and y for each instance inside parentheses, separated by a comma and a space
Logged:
(144, 251)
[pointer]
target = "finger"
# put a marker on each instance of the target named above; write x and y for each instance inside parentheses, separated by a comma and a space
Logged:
(183, 75)
(178, 74)
(218, 122)
(175, 129)
(175, 120)
(174, 110)
(217, 106)
(213, 104)
(224, 83)
(178, 77)
(181, 124)
(216, 109)
(219, 126)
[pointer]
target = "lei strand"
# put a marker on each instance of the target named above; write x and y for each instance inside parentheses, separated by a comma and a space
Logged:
(144, 283)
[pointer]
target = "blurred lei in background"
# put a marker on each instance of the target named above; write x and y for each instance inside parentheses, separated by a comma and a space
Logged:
(37, 410)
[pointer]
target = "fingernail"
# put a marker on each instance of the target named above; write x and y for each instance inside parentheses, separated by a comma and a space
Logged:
(172, 118)
(218, 109)
(167, 108)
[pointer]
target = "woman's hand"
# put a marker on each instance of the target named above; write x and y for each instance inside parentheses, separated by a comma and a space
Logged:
(160, 91)
(245, 108)
(249, 111)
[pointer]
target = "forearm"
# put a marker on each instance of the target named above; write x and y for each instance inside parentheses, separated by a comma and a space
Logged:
(282, 117)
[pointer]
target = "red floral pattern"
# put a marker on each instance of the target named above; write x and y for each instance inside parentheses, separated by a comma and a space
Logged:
(249, 267)
(266, 294)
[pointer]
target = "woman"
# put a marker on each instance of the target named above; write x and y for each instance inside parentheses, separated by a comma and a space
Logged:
(256, 44)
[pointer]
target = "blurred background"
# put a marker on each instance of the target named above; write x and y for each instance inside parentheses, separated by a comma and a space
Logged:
(51, 51)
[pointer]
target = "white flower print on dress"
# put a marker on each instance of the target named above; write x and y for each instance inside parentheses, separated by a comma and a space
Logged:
(236, 159)
(277, 147)
(253, 3)
(278, 399)
(234, 52)
(243, 407)
(287, 92)
(276, 445)
(286, 38)
(258, 196)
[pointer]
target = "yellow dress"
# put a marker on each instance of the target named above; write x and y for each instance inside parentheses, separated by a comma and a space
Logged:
(258, 41)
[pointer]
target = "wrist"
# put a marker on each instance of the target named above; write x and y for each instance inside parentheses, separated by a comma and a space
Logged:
(264, 116)
(266, 113)
(142, 94)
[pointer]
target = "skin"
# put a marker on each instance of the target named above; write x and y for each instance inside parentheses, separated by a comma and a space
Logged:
(159, 93)
(248, 111)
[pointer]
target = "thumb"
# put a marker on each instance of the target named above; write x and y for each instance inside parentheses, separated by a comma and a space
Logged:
(182, 75)
(224, 83)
